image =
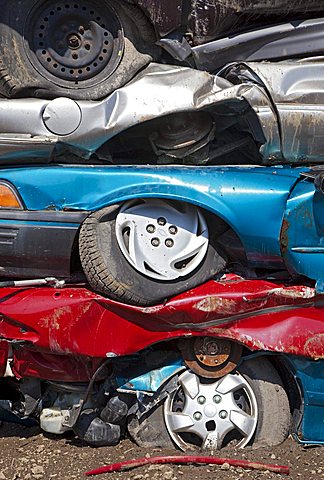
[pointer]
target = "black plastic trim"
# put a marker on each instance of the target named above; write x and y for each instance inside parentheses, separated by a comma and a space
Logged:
(37, 250)
(43, 216)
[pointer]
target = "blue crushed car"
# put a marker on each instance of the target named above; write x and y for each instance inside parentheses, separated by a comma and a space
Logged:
(143, 234)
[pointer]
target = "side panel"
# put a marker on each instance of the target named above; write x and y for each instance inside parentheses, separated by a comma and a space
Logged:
(165, 15)
(251, 200)
(310, 376)
(217, 18)
(303, 233)
(261, 315)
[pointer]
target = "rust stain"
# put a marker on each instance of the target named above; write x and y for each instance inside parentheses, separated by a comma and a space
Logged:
(213, 303)
(284, 235)
(314, 346)
(52, 321)
(303, 292)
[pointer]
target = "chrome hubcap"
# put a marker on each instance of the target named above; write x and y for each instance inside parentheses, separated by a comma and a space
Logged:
(163, 240)
(209, 414)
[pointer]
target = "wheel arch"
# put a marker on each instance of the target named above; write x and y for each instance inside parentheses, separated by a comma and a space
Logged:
(196, 197)
(187, 195)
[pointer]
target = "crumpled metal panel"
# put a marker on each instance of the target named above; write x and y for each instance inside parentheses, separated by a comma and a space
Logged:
(232, 193)
(149, 381)
(219, 18)
(261, 315)
(297, 92)
(286, 101)
(302, 234)
(166, 15)
(277, 41)
(159, 90)
(310, 376)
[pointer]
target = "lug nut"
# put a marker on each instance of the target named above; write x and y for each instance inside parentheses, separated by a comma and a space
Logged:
(173, 230)
(81, 29)
(201, 400)
(197, 416)
(150, 229)
(169, 242)
(223, 414)
(161, 221)
(217, 398)
(73, 41)
(155, 242)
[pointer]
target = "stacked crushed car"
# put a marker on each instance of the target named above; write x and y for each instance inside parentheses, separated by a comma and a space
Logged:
(162, 220)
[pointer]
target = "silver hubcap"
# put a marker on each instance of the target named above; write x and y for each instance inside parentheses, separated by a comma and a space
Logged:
(208, 413)
(160, 239)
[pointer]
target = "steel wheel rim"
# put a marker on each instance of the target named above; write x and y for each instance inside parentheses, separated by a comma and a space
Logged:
(210, 412)
(160, 239)
(74, 41)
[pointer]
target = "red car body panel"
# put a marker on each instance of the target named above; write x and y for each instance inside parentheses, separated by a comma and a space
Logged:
(65, 333)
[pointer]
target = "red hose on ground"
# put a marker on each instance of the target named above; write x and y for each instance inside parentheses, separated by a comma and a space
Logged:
(117, 467)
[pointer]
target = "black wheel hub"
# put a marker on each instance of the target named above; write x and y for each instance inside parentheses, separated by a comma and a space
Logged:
(75, 41)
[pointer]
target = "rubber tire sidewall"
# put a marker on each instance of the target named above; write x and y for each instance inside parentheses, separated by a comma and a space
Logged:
(109, 272)
(274, 418)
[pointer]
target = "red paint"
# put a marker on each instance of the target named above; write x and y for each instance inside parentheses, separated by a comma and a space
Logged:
(28, 363)
(3, 357)
(68, 331)
(189, 460)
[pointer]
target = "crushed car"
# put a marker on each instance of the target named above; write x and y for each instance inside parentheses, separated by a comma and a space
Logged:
(161, 220)
(86, 49)
(232, 361)
(137, 346)
(141, 235)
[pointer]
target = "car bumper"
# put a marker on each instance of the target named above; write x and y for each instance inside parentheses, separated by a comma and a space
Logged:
(37, 243)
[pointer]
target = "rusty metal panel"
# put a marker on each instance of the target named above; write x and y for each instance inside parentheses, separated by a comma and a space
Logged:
(261, 315)
(164, 14)
(216, 18)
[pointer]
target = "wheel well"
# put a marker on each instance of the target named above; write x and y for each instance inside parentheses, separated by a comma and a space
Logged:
(221, 235)
(225, 239)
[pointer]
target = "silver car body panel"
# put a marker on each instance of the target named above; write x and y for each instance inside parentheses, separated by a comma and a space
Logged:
(287, 100)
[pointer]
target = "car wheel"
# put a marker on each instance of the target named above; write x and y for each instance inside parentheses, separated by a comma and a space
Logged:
(83, 49)
(248, 407)
(147, 250)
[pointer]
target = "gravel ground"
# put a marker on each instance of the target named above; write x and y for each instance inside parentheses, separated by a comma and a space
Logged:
(30, 455)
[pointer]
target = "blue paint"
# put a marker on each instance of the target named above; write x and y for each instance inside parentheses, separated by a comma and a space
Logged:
(310, 377)
(308, 373)
(150, 381)
(254, 201)
(251, 200)
(305, 233)
(37, 224)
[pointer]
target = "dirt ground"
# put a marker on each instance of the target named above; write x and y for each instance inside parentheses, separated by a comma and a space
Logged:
(28, 454)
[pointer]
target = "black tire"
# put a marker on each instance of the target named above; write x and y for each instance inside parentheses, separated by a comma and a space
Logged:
(108, 271)
(34, 63)
(149, 430)
(274, 416)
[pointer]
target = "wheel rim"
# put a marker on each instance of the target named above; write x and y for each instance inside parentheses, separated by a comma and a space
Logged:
(210, 414)
(162, 240)
(74, 41)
